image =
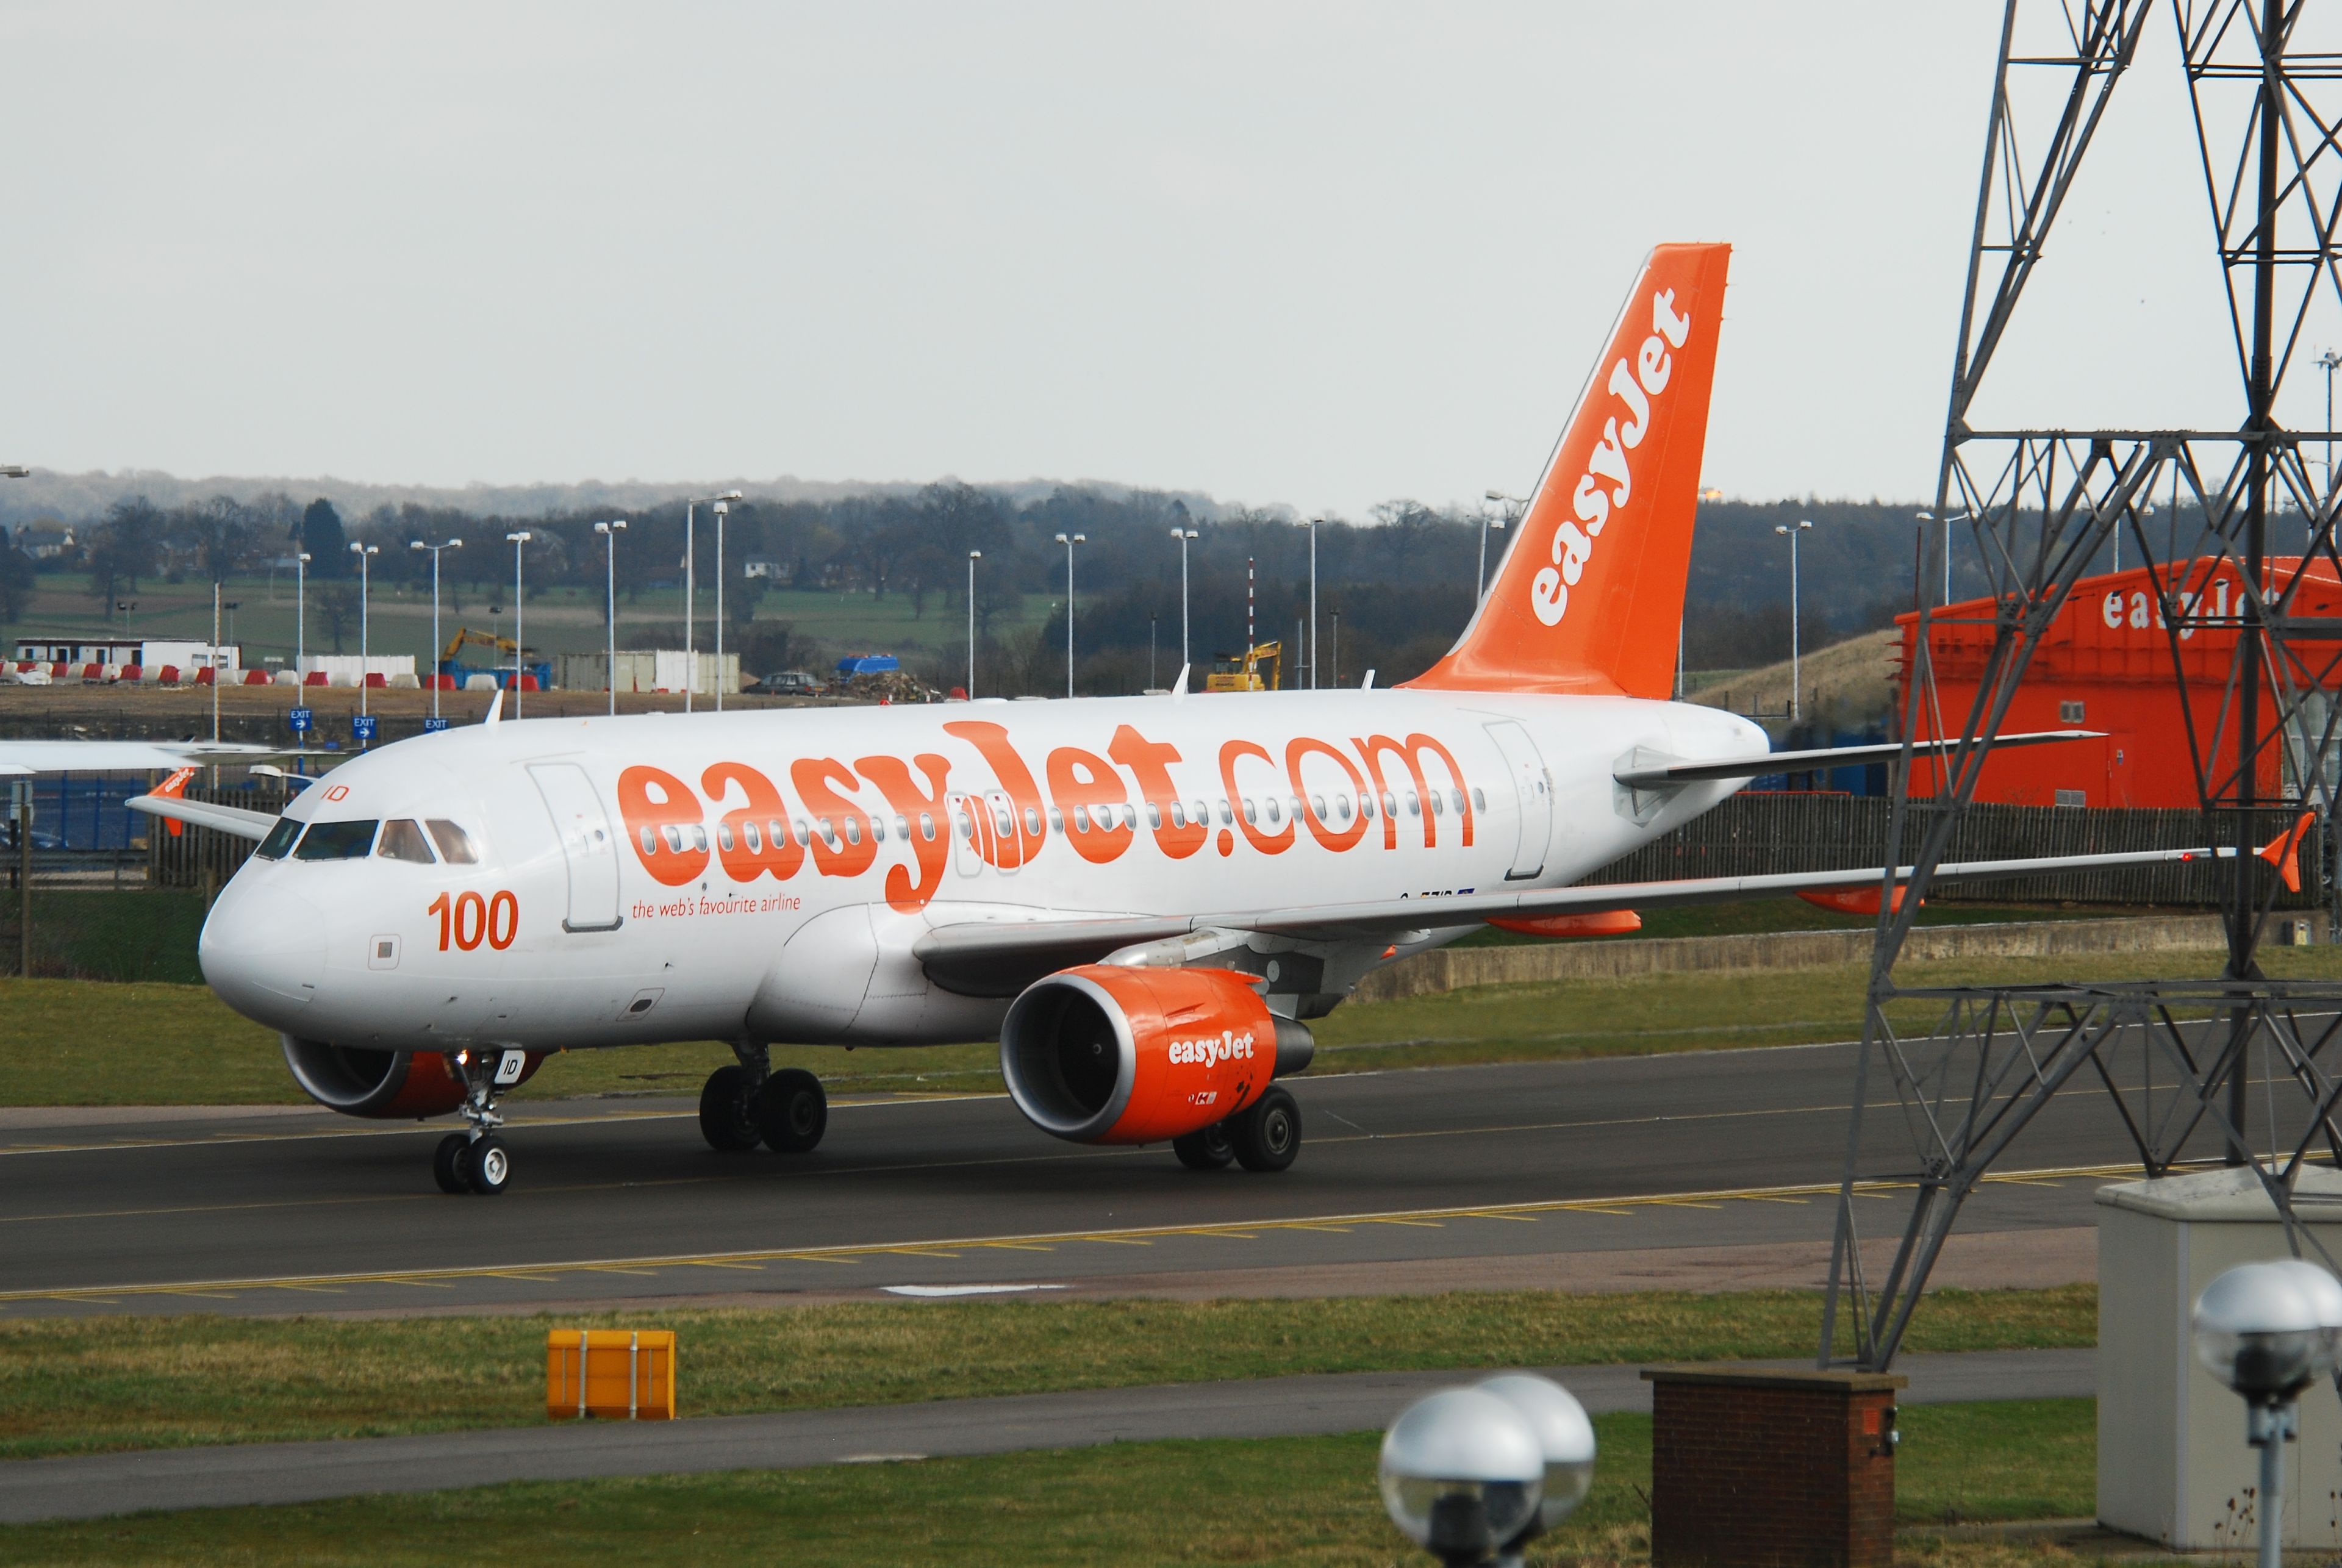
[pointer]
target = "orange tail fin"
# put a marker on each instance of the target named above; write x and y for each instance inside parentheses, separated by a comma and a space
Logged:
(2284, 852)
(1589, 596)
(176, 784)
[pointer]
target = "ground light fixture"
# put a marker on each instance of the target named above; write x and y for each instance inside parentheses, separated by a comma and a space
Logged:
(2268, 1331)
(1565, 1434)
(1463, 1472)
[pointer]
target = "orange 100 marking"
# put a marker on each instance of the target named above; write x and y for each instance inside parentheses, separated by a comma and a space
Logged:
(472, 918)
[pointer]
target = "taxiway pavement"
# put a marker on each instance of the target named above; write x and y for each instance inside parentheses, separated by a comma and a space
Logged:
(1711, 1166)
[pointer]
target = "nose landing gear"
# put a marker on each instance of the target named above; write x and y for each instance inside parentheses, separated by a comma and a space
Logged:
(744, 1105)
(476, 1159)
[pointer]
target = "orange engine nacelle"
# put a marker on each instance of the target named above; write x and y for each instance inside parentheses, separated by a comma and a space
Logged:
(1106, 1054)
(382, 1085)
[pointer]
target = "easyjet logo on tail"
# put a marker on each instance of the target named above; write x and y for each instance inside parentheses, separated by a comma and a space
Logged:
(1608, 481)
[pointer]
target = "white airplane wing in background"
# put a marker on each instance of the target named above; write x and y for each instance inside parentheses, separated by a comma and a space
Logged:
(18, 758)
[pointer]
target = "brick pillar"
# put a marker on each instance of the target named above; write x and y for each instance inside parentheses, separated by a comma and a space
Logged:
(1754, 1468)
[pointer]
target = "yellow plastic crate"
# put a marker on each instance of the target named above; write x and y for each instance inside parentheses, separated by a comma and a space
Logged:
(620, 1375)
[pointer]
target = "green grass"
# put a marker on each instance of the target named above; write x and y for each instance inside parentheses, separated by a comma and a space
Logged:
(147, 935)
(86, 1384)
(1309, 1500)
(79, 1042)
(1646, 1014)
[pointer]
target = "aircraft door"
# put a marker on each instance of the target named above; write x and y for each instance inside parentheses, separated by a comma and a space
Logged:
(586, 844)
(967, 818)
(1007, 845)
(1533, 790)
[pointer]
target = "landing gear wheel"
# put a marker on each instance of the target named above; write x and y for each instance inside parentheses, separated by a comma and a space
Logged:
(725, 1119)
(448, 1164)
(1267, 1135)
(1208, 1150)
(489, 1166)
(791, 1111)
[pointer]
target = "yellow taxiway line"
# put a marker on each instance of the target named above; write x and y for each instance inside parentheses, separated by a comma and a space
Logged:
(951, 1246)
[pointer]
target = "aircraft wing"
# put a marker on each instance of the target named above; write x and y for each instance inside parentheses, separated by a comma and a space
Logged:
(979, 957)
(1645, 772)
(22, 757)
(231, 819)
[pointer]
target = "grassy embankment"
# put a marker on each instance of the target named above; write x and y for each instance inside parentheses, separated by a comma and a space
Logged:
(91, 1384)
(69, 1043)
(1287, 1499)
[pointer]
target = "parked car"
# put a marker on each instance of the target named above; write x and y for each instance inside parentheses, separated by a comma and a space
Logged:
(787, 683)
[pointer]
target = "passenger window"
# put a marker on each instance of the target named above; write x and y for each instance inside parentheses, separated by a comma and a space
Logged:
(1479, 800)
(454, 844)
(1251, 813)
(1056, 819)
(1390, 804)
(650, 841)
(279, 841)
(1227, 816)
(927, 826)
(674, 838)
(1178, 814)
(699, 839)
(1273, 818)
(755, 840)
(854, 830)
(1317, 805)
(336, 841)
(779, 830)
(903, 828)
(403, 840)
(1456, 797)
(1154, 814)
(1414, 804)
(1033, 821)
(1438, 804)
(1081, 819)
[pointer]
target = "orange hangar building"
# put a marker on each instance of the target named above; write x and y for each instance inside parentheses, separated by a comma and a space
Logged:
(2107, 665)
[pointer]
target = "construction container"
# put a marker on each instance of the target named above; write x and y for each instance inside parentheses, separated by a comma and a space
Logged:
(620, 1374)
(2112, 661)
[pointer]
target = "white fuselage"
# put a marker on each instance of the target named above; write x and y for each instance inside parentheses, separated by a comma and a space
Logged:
(616, 898)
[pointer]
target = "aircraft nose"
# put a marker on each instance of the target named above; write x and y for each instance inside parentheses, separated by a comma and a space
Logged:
(262, 949)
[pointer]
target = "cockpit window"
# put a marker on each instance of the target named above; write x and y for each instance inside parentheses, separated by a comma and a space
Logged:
(336, 841)
(279, 841)
(402, 840)
(454, 844)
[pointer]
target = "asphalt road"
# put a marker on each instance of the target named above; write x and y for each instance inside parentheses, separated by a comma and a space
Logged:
(1455, 1174)
(96, 1486)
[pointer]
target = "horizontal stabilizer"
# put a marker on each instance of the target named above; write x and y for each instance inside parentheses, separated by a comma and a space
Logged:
(1661, 775)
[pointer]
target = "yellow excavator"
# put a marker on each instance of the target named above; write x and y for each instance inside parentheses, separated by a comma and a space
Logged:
(507, 651)
(1243, 672)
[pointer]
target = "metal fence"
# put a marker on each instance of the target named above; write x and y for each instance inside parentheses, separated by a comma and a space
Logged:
(200, 857)
(1756, 835)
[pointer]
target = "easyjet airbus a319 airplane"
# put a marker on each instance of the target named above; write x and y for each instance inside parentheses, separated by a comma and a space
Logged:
(1146, 899)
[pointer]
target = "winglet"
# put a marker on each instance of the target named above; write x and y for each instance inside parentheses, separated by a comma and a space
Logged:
(174, 786)
(2284, 852)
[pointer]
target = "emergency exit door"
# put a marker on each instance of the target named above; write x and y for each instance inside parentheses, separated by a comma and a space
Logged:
(586, 844)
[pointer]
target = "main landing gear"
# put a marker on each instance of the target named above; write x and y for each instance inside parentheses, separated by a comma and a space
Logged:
(1265, 1135)
(747, 1104)
(476, 1160)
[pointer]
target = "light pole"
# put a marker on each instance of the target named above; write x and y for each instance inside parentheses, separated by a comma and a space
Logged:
(1069, 542)
(2267, 1331)
(1949, 519)
(1498, 522)
(300, 612)
(1186, 537)
(435, 549)
(365, 553)
(691, 591)
(1796, 674)
(520, 612)
(1313, 601)
(723, 509)
(972, 557)
(610, 532)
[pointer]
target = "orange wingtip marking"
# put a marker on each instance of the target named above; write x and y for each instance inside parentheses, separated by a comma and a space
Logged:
(175, 786)
(1853, 900)
(2284, 852)
(1598, 922)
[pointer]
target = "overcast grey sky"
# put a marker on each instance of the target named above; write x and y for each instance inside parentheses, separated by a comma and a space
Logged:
(1319, 254)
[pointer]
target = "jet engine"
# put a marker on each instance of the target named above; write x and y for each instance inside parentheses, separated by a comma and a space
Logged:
(1107, 1054)
(383, 1086)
